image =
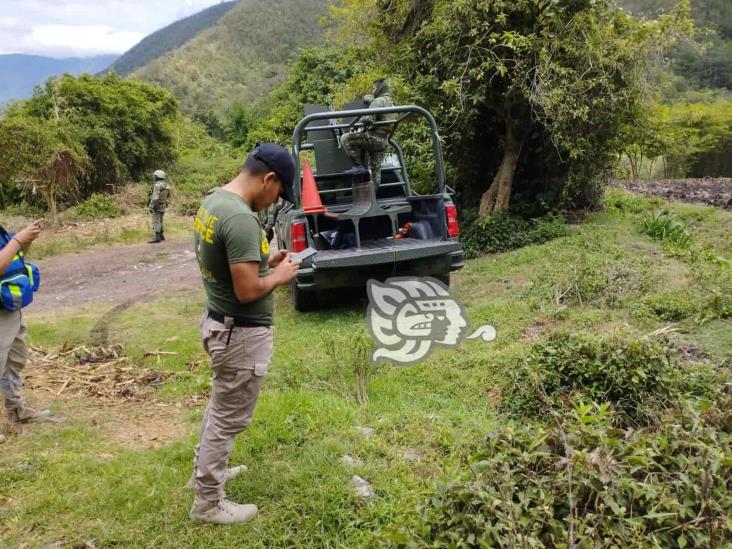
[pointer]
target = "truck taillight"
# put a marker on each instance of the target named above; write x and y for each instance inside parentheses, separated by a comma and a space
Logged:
(298, 236)
(453, 227)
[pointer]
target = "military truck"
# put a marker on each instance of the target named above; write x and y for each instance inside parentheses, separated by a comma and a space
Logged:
(365, 233)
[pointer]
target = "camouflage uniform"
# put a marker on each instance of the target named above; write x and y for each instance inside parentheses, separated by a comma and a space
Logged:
(369, 147)
(158, 203)
(272, 213)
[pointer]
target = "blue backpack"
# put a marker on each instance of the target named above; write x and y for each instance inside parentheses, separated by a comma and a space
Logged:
(19, 281)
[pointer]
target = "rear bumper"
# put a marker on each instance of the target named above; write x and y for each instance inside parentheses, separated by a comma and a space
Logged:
(317, 278)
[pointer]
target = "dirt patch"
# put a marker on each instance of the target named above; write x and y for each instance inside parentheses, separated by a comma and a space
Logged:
(128, 424)
(98, 387)
(117, 274)
(709, 191)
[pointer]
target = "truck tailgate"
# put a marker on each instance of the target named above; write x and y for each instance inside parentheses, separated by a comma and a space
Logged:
(383, 250)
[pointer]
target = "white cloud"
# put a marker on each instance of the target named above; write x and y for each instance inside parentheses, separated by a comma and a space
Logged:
(84, 40)
(63, 28)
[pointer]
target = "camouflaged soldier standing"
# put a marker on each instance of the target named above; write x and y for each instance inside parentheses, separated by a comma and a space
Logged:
(368, 148)
(158, 202)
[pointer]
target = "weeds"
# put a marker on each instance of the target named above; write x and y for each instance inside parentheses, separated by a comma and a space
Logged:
(638, 377)
(663, 226)
(352, 354)
(585, 483)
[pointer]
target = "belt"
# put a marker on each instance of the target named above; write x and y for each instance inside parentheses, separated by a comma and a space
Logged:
(238, 322)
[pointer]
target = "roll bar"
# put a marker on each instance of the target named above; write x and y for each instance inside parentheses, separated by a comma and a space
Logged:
(303, 128)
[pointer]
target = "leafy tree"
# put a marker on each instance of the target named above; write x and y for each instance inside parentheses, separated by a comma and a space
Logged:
(125, 126)
(549, 83)
(43, 155)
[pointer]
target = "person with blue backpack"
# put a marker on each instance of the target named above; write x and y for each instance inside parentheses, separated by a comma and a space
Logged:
(19, 280)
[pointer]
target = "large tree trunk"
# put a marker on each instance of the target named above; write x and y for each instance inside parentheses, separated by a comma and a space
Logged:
(498, 195)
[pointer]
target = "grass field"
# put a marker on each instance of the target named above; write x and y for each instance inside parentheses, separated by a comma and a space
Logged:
(74, 484)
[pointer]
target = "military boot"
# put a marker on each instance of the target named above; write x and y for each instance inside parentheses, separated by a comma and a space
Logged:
(357, 169)
(222, 512)
(156, 239)
(26, 414)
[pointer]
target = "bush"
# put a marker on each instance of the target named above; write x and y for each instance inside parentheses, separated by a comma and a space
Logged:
(502, 232)
(588, 484)
(669, 307)
(637, 377)
(98, 206)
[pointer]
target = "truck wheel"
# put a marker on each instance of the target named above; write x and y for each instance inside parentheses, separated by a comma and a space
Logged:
(303, 301)
(445, 279)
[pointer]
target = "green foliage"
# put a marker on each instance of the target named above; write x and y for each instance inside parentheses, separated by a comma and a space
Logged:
(41, 157)
(98, 206)
(584, 483)
(669, 307)
(635, 376)
(664, 226)
(125, 126)
(542, 78)
(169, 38)
(243, 56)
(501, 232)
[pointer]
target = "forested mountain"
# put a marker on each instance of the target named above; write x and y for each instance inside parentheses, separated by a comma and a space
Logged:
(19, 73)
(243, 56)
(707, 63)
(170, 38)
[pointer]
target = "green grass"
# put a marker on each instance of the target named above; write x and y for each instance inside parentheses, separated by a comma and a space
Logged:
(606, 275)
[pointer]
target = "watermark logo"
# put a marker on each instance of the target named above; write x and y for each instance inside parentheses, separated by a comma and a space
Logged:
(408, 317)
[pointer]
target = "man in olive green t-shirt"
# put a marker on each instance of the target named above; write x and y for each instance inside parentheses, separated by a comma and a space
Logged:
(239, 275)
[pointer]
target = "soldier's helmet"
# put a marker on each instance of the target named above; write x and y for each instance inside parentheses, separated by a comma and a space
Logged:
(159, 174)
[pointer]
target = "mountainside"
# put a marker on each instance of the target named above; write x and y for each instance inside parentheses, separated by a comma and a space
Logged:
(170, 38)
(20, 72)
(243, 56)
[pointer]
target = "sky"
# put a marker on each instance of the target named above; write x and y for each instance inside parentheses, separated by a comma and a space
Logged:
(83, 28)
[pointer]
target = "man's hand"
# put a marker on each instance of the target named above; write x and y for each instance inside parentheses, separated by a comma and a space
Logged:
(286, 271)
(278, 257)
(29, 234)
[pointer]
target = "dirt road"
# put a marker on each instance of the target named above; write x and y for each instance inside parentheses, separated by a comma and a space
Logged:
(116, 274)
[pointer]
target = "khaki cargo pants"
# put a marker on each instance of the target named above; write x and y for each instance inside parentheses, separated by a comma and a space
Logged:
(13, 355)
(239, 360)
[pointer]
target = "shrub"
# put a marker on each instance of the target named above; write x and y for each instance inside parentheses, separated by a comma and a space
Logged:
(637, 377)
(664, 226)
(98, 206)
(502, 232)
(587, 484)
(669, 307)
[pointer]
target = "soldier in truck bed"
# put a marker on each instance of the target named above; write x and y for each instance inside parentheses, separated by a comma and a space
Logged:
(367, 148)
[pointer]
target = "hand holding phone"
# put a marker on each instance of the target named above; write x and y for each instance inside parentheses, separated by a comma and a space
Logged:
(303, 255)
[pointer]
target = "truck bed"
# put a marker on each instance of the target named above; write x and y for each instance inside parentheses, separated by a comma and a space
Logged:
(383, 250)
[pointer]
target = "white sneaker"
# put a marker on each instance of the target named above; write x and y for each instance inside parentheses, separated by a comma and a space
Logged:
(231, 474)
(223, 512)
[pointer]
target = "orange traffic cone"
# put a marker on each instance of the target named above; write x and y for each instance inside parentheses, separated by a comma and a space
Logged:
(311, 202)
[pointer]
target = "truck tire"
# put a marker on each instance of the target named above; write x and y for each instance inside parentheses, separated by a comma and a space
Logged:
(303, 301)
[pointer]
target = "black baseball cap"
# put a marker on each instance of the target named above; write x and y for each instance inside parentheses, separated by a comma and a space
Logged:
(279, 160)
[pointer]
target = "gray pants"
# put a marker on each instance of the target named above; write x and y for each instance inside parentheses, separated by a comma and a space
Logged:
(368, 149)
(13, 356)
(239, 367)
(157, 221)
